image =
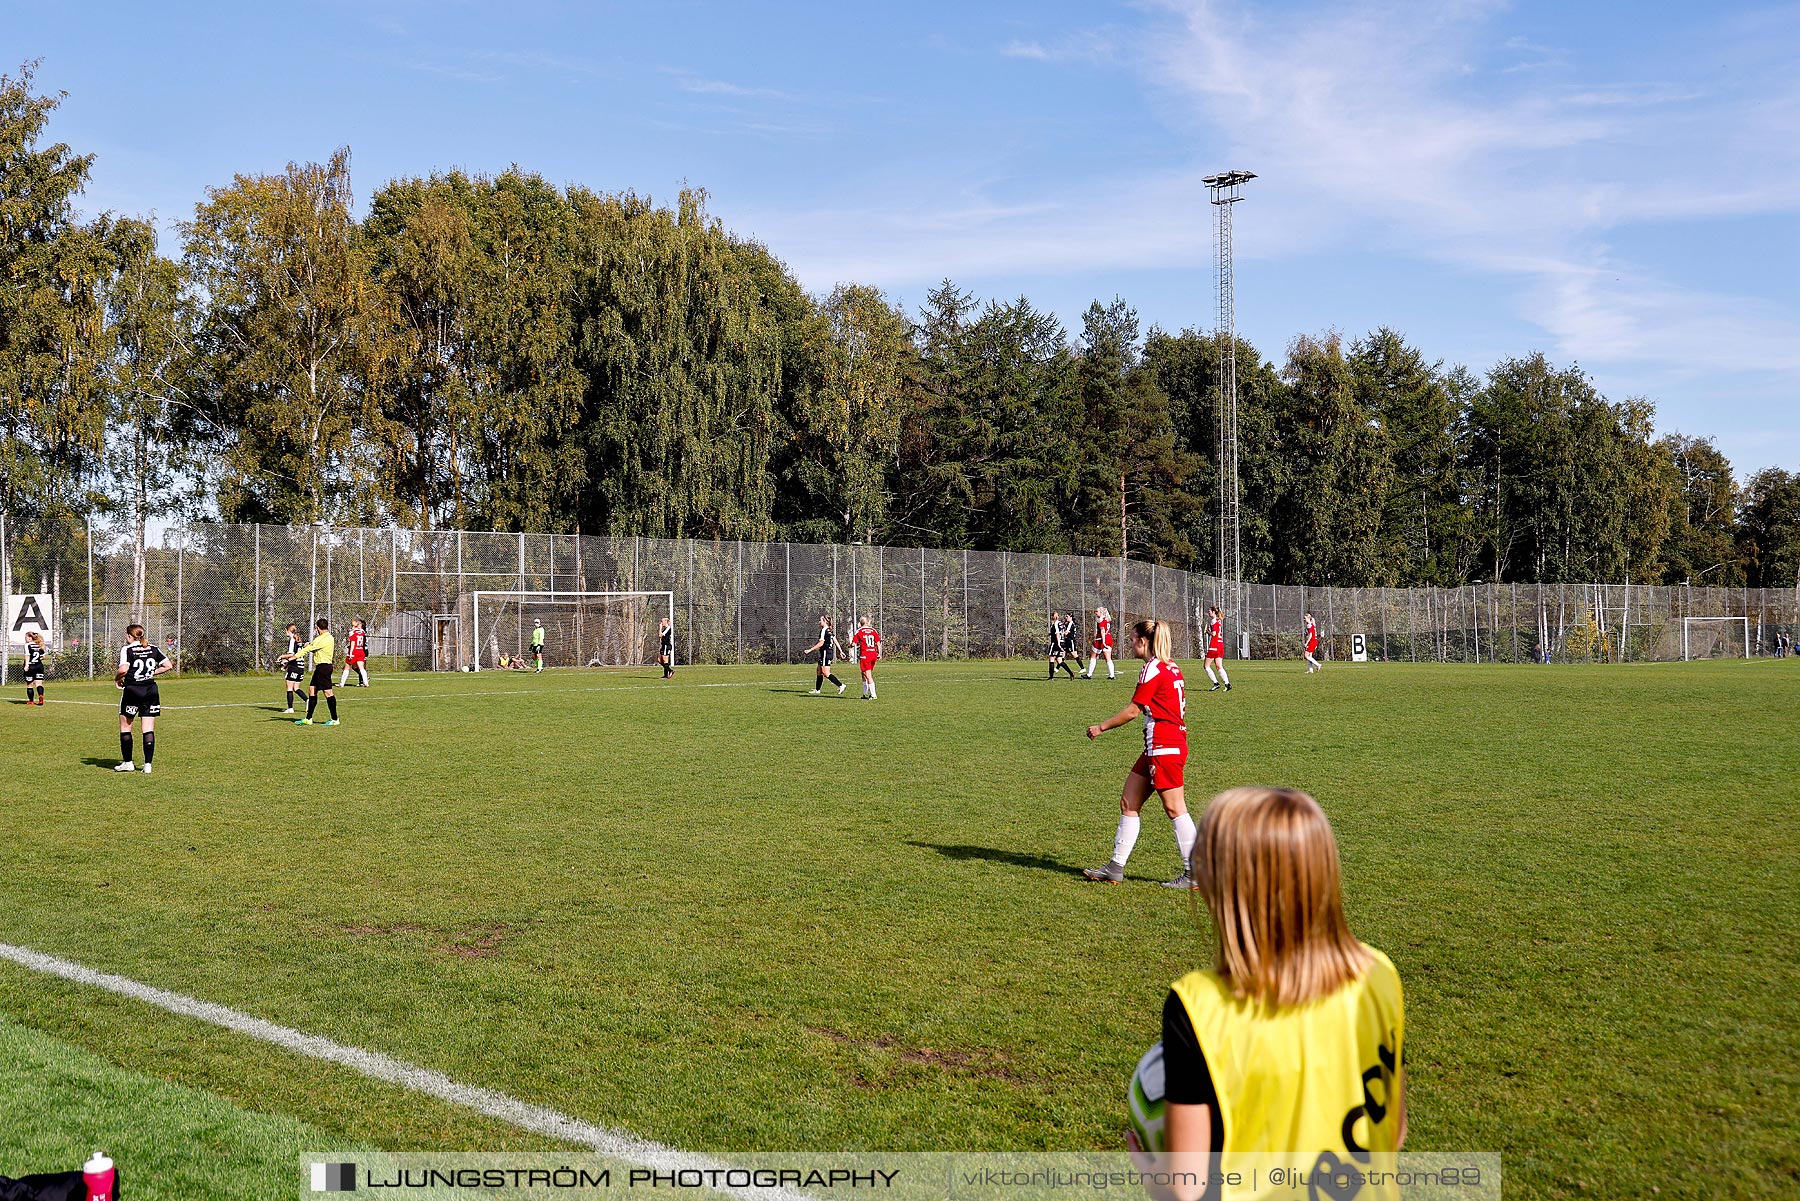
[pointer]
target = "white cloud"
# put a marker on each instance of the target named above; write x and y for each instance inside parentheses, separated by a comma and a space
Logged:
(1395, 126)
(701, 86)
(1077, 46)
(1371, 111)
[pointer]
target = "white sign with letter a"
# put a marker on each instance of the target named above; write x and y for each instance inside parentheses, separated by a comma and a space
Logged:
(1359, 648)
(28, 612)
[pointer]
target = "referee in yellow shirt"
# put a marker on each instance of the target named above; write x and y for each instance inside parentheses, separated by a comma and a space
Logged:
(323, 649)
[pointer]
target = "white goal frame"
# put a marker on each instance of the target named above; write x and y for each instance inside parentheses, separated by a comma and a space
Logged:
(547, 598)
(1687, 623)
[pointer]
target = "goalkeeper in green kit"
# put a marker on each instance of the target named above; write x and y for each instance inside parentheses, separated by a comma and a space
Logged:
(537, 645)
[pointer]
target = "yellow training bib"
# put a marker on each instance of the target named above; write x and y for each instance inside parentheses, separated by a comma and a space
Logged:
(1319, 1080)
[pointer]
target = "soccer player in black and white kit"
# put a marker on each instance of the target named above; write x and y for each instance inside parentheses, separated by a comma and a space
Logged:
(828, 649)
(140, 662)
(34, 667)
(1062, 643)
(296, 667)
(665, 646)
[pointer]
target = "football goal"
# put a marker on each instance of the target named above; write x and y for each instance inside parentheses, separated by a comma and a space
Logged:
(1715, 638)
(581, 629)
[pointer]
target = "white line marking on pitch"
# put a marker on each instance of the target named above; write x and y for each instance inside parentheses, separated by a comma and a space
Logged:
(538, 1119)
(798, 686)
(435, 696)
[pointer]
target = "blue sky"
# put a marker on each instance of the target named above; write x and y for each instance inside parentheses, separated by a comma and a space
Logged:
(1617, 184)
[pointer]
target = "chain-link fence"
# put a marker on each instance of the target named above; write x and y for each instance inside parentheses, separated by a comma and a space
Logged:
(218, 598)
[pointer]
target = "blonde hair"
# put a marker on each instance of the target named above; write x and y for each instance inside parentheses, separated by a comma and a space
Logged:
(1162, 643)
(1267, 865)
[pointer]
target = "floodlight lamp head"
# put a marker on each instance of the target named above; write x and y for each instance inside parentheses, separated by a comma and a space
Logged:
(1228, 179)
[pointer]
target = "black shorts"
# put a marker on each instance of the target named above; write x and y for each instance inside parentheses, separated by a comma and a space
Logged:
(825, 662)
(321, 677)
(34, 675)
(140, 700)
(296, 671)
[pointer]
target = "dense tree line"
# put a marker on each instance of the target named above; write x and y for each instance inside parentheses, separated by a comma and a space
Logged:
(502, 353)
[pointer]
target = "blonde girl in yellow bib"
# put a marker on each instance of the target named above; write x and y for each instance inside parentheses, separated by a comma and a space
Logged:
(1291, 1043)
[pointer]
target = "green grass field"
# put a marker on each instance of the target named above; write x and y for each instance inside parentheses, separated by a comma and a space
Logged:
(726, 915)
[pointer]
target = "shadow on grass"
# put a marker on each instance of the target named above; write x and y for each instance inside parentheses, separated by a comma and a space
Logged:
(96, 761)
(964, 853)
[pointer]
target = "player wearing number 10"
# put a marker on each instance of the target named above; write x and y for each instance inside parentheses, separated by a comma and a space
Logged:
(1161, 698)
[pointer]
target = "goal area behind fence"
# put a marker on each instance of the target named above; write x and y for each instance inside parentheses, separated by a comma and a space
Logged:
(580, 629)
(1715, 638)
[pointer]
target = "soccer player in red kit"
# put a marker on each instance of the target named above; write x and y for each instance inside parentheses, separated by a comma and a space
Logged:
(1215, 649)
(356, 653)
(867, 641)
(1312, 644)
(1161, 698)
(1103, 642)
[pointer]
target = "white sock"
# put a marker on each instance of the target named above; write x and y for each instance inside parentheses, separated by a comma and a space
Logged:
(1223, 678)
(1091, 661)
(1210, 675)
(1110, 674)
(1126, 838)
(345, 678)
(871, 689)
(1185, 833)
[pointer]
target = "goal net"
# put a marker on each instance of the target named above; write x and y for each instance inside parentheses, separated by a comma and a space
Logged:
(1715, 638)
(581, 629)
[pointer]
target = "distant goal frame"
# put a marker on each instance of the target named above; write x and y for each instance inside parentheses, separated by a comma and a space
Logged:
(549, 598)
(1687, 623)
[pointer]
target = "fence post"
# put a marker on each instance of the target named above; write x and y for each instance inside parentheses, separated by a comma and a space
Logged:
(180, 645)
(394, 593)
(1384, 633)
(1412, 635)
(924, 639)
(740, 601)
(966, 619)
(256, 646)
(1330, 621)
(787, 575)
(1006, 609)
(312, 595)
(1475, 616)
(690, 590)
(88, 525)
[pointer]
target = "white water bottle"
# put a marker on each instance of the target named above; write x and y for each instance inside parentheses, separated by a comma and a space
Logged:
(99, 1176)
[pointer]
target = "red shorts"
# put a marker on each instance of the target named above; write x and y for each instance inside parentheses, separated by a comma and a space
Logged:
(867, 662)
(1103, 646)
(1163, 771)
(359, 657)
(1312, 646)
(1215, 649)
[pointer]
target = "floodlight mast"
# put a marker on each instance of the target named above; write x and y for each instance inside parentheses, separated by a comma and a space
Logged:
(1225, 190)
